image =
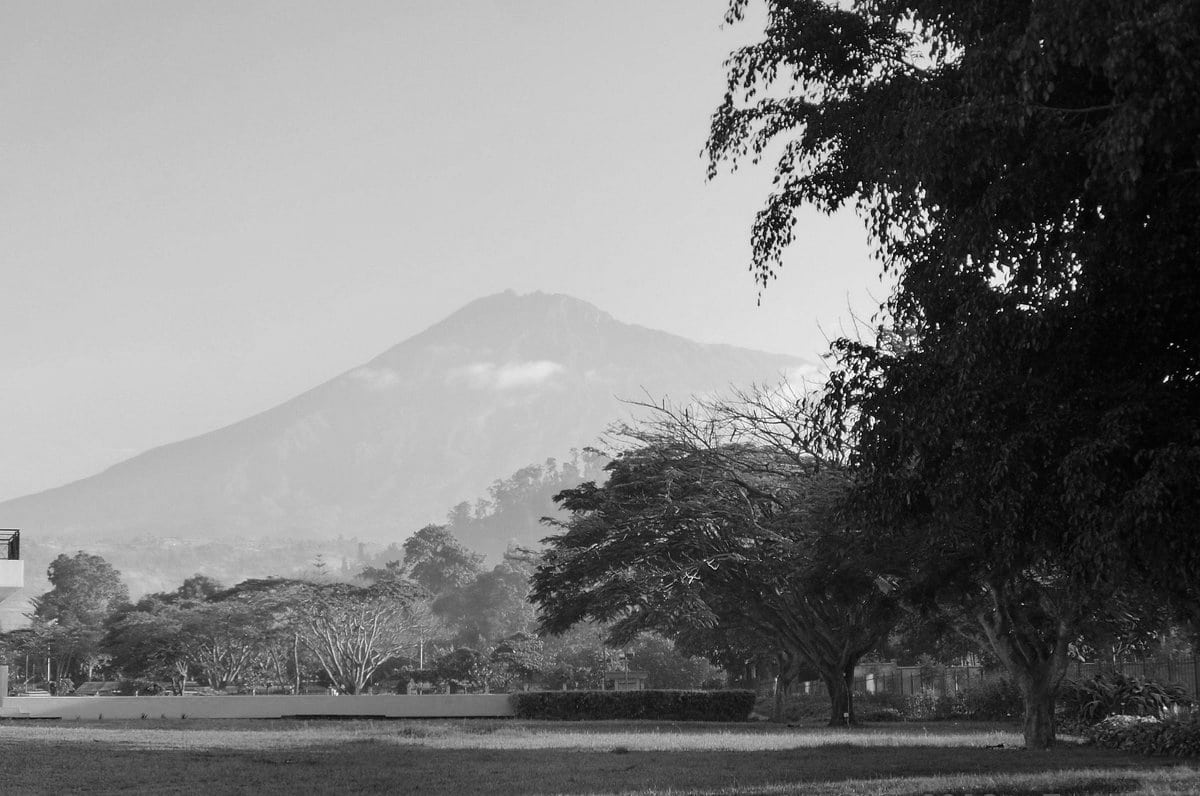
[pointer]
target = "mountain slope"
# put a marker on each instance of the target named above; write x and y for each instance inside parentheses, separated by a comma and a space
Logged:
(381, 449)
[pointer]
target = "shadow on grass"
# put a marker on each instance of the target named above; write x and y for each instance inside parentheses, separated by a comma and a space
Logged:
(102, 764)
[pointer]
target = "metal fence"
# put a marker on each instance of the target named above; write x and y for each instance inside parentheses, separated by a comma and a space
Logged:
(10, 544)
(1181, 671)
(911, 680)
(950, 680)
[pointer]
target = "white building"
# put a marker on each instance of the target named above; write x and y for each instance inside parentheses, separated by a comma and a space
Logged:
(12, 579)
(12, 568)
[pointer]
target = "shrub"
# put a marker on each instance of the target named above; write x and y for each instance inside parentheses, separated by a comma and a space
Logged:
(657, 705)
(994, 699)
(1086, 702)
(878, 707)
(1177, 735)
(923, 705)
(879, 713)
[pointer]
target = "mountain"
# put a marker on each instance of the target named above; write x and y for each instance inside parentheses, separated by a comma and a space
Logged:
(384, 448)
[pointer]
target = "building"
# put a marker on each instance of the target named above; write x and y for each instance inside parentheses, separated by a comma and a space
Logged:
(12, 568)
(12, 580)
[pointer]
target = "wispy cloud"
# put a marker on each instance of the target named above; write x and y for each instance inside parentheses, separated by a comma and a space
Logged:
(513, 375)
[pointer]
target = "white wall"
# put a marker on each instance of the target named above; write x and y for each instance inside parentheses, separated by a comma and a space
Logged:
(12, 577)
(259, 707)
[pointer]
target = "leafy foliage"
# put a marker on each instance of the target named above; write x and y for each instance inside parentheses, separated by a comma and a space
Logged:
(1175, 736)
(1089, 701)
(492, 606)
(85, 588)
(464, 668)
(666, 667)
(69, 619)
(1026, 423)
(994, 699)
(688, 533)
(352, 631)
(438, 561)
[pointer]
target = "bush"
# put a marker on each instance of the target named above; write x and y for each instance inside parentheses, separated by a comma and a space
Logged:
(1085, 702)
(1177, 735)
(925, 705)
(653, 705)
(877, 707)
(878, 713)
(996, 699)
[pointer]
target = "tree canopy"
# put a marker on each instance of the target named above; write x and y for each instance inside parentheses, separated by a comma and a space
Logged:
(695, 530)
(1026, 423)
(435, 559)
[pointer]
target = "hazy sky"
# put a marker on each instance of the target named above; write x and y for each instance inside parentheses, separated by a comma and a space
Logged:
(208, 207)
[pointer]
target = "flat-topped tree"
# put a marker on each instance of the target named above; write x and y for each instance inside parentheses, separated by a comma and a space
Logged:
(690, 533)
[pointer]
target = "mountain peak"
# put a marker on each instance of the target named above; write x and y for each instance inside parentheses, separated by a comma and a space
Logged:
(386, 447)
(531, 307)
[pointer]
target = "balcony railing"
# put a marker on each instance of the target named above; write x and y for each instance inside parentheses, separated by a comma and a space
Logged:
(10, 544)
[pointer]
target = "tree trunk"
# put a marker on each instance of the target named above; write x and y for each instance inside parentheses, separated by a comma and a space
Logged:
(296, 662)
(1036, 659)
(841, 697)
(784, 676)
(1038, 697)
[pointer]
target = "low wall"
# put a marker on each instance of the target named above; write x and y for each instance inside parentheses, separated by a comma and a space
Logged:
(384, 706)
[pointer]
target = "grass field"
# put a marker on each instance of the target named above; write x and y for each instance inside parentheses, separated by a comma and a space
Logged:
(483, 756)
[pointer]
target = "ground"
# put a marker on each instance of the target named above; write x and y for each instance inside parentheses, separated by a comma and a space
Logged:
(509, 756)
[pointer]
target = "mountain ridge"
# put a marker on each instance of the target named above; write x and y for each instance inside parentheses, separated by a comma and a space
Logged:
(505, 380)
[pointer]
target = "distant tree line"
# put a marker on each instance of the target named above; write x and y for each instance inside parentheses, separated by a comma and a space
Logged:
(435, 617)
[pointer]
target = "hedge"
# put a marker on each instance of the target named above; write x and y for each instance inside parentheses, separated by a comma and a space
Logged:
(659, 705)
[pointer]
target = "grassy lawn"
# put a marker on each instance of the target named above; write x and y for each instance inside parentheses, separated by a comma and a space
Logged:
(479, 756)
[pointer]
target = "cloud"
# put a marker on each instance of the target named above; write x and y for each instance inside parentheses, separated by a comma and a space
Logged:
(513, 375)
(376, 378)
(808, 375)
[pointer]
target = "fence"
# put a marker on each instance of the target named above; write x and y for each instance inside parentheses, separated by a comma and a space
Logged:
(1184, 671)
(910, 680)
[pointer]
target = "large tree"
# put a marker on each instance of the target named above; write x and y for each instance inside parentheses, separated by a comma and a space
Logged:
(435, 559)
(216, 635)
(86, 590)
(149, 642)
(688, 532)
(352, 631)
(1028, 428)
(491, 607)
